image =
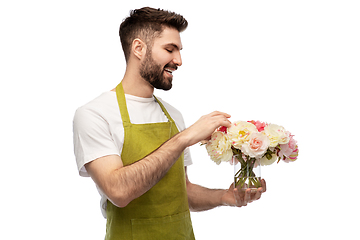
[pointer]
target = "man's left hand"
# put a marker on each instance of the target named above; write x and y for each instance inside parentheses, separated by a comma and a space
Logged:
(238, 198)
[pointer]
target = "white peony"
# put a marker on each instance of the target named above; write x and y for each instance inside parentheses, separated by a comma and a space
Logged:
(239, 133)
(277, 134)
(219, 148)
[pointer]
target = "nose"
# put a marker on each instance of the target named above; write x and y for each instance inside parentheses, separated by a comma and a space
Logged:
(177, 59)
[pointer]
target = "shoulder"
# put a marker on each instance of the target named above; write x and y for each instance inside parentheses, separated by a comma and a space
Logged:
(97, 114)
(97, 107)
(103, 100)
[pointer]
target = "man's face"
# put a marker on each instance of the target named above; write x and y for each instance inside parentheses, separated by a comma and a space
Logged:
(162, 59)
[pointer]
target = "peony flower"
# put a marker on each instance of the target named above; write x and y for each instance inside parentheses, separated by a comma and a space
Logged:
(257, 145)
(293, 156)
(219, 148)
(223, 129)
(287, 149)
(277, 134)
(259, 125)
(239, 133)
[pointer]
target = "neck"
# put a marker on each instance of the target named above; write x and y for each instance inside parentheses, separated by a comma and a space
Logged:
(135, 85)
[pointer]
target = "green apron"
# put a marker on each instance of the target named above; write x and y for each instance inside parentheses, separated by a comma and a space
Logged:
(163, 211)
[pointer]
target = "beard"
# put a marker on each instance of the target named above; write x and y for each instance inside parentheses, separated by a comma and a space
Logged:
(154, 73)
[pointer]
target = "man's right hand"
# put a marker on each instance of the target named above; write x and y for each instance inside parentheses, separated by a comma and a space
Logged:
(205, 126)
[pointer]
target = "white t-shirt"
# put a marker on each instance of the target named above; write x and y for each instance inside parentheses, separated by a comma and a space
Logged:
(99, 132)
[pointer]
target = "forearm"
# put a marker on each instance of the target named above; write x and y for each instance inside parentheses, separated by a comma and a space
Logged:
(132, 181)
(122, 184)
(202, 199)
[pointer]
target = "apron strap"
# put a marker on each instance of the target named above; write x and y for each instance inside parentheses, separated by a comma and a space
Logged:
(164, 110)
(122, 104)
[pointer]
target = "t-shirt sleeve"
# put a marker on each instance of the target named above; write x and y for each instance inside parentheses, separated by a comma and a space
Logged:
(187, 157)
(179, 121)
(92, 138)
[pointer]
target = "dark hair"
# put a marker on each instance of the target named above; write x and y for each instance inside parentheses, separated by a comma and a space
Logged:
(147, 23)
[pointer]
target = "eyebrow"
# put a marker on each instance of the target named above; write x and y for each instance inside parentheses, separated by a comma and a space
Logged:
(173, 45)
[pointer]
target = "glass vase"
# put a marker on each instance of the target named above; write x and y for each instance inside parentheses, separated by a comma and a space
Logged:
(247, 173)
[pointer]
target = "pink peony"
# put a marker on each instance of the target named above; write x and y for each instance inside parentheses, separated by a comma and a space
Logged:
(289, 151)
(223, 129)
(257, 145)
(259, 125)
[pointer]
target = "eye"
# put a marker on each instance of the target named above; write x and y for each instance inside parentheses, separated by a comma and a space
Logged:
(169, 50)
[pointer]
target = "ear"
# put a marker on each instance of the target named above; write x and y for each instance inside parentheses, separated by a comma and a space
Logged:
(138, 48)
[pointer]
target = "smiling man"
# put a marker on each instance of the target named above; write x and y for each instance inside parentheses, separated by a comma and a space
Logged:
(135, 146)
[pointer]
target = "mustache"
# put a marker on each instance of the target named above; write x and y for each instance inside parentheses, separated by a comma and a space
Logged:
(171, 65)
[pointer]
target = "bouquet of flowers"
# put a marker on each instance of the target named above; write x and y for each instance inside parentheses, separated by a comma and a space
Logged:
(251, 143)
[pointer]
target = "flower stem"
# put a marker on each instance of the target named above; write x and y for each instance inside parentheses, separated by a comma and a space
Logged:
(246, 175)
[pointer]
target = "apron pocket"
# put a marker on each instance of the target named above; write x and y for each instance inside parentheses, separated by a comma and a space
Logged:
(175, 227)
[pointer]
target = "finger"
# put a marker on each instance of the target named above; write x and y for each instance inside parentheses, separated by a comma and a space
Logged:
(221, 113)
(258, 194)
(237, 197)
(247, 197)
(263, 185)
(221, 120)
(226, 123)
(240, 198)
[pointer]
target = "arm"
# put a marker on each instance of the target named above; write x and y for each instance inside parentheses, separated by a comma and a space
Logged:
(121, 184)
(202, 199)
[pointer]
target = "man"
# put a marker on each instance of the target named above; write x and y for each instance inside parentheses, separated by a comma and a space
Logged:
(136, 155)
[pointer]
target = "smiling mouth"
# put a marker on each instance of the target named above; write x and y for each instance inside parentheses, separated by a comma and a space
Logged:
(170, 71)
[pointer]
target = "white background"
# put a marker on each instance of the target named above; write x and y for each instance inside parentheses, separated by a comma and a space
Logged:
(293, 63)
